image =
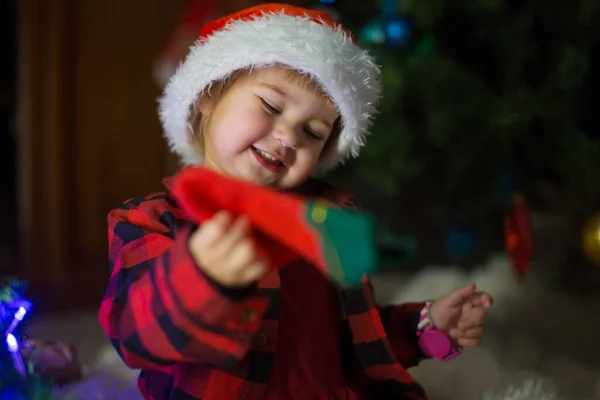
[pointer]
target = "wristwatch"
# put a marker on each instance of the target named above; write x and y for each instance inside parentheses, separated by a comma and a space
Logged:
(433, 341)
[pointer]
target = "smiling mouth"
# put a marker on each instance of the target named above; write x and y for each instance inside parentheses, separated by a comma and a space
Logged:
(267, 157)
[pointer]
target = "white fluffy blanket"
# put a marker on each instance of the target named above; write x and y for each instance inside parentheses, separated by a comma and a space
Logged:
(538, 345)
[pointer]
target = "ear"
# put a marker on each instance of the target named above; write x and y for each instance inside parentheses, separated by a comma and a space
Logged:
(204, 104)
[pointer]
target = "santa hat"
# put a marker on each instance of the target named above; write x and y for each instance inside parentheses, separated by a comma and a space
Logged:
(306, 40)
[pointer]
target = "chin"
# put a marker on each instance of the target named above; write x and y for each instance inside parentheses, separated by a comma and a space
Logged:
(257, 178)
(286, 184)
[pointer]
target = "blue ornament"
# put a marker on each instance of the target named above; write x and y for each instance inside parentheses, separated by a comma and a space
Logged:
(328, 2)
(373, 32)
(393, 31)
(460, 243)
(398, 32)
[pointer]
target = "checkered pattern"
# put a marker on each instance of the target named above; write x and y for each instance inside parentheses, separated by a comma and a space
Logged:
(195, 340)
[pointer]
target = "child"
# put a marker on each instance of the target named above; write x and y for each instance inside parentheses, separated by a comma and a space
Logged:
(268, 95)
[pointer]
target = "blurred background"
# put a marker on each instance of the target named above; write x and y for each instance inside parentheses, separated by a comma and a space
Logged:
(484, 101)
(481, 101)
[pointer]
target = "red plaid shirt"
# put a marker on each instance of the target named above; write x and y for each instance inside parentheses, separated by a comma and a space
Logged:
(195, 340)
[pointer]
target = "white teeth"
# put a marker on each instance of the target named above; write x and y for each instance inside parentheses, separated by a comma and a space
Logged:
(266, 155)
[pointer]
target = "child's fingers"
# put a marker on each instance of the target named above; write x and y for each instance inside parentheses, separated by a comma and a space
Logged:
(254, 272)
(482, 299)
(211, 231)
(475, 317)
(240, 256)
(233, 234)
(487, 300)
(472, 333)
(460, 295)
(221, 219)
(455, 333)
(466, 342)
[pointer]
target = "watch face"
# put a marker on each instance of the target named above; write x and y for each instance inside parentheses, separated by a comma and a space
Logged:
(435, 344)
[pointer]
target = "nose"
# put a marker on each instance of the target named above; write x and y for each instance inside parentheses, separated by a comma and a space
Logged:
(286, 136)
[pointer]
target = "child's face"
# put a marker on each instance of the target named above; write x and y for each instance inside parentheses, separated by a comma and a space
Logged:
(266, 113)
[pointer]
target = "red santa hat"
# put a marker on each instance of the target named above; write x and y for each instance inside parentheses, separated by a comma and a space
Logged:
(309, 41)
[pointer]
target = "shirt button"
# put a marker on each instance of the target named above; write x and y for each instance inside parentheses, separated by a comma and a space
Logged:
(247, 316)
(260, 340)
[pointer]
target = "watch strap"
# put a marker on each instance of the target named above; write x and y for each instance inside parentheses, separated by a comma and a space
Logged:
(426, 324)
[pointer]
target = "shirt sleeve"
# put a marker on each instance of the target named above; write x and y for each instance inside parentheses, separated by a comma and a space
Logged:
(400, 323)
(159, 308)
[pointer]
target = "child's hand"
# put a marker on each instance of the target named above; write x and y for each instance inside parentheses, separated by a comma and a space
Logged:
(224, 251)
(461, 314)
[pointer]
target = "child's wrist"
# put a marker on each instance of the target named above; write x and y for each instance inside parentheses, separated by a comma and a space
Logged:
(434, 342)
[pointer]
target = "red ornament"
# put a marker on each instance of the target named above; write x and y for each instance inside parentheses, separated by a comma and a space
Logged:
(518, 237)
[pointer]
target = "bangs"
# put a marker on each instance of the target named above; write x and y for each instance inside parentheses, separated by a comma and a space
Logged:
(306, 81)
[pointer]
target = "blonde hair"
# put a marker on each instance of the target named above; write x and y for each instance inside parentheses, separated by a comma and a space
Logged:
(199, 122)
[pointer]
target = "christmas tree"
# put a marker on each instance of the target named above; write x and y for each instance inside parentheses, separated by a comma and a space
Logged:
(482, 99)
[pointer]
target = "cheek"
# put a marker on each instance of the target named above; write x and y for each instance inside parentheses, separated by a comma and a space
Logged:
(308, 158)
(238, 129)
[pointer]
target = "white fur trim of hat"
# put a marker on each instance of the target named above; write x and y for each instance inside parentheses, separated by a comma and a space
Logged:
(275, 34)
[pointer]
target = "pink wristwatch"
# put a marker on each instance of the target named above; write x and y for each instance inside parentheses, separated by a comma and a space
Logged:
(434, 342)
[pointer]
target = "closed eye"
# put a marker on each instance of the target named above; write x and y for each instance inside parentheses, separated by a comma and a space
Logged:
(274, 111)
(270, 109)
(313, 135)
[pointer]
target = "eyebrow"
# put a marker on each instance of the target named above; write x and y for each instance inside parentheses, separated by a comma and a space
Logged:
(281, 92)
(274, 88)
